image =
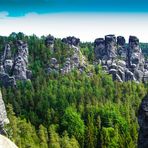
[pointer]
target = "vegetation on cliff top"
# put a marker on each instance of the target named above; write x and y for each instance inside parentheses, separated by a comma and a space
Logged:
(72, 110)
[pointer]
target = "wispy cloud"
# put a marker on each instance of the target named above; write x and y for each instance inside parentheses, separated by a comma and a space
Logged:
(85, 26)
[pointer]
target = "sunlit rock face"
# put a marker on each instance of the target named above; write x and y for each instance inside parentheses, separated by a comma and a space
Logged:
(143, 123)
(124, 61)
(3, 116)
(110, 45)
(135, 55)
(6, 143)
(14, 66)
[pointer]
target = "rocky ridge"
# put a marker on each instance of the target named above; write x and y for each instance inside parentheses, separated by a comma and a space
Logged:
(124, 61)
(14, 66)
(76, 60)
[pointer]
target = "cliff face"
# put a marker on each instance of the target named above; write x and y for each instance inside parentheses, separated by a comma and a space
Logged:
(3, 115)
(124, 61)
(4, 141)
(14, 66)
(74, 60)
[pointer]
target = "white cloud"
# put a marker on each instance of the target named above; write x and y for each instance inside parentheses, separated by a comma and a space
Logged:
(85, 26)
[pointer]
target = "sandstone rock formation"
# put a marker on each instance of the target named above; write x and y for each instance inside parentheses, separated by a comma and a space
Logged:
(143, 123)
(3, 116)
(71, 41)
(124, 62)
(76, 60)
(6, 143)
(14, 67)
(49, 42)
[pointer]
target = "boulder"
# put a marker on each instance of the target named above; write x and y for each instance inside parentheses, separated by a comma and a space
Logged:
(19, 70)
(145, 77)
(7, 80)
(49, 41)
(8, 65)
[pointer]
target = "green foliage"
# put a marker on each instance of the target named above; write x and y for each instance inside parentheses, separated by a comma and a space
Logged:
(109, 137)
(72, 123)
(71, 110)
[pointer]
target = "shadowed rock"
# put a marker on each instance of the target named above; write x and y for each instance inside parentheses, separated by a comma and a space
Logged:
(121, 47)
(120, 41)
(99, 48)
(71, 41)
(49, 41)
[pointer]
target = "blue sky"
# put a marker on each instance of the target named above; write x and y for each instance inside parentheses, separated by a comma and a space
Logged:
(86, 19)
(21, 7)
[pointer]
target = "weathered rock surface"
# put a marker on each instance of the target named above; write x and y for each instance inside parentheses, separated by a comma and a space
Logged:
(110, 45)
(99, 49)
(49, 41)
(71, 41)
(14, 67)
(143, 123)
(121, 46)
(74, 60)
(124, 62)
(6, 143)
(3, 116)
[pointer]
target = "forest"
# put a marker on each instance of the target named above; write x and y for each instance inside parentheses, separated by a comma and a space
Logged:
(72, 110)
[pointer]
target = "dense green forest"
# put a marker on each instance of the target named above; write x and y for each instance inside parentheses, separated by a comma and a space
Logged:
(72, 110)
